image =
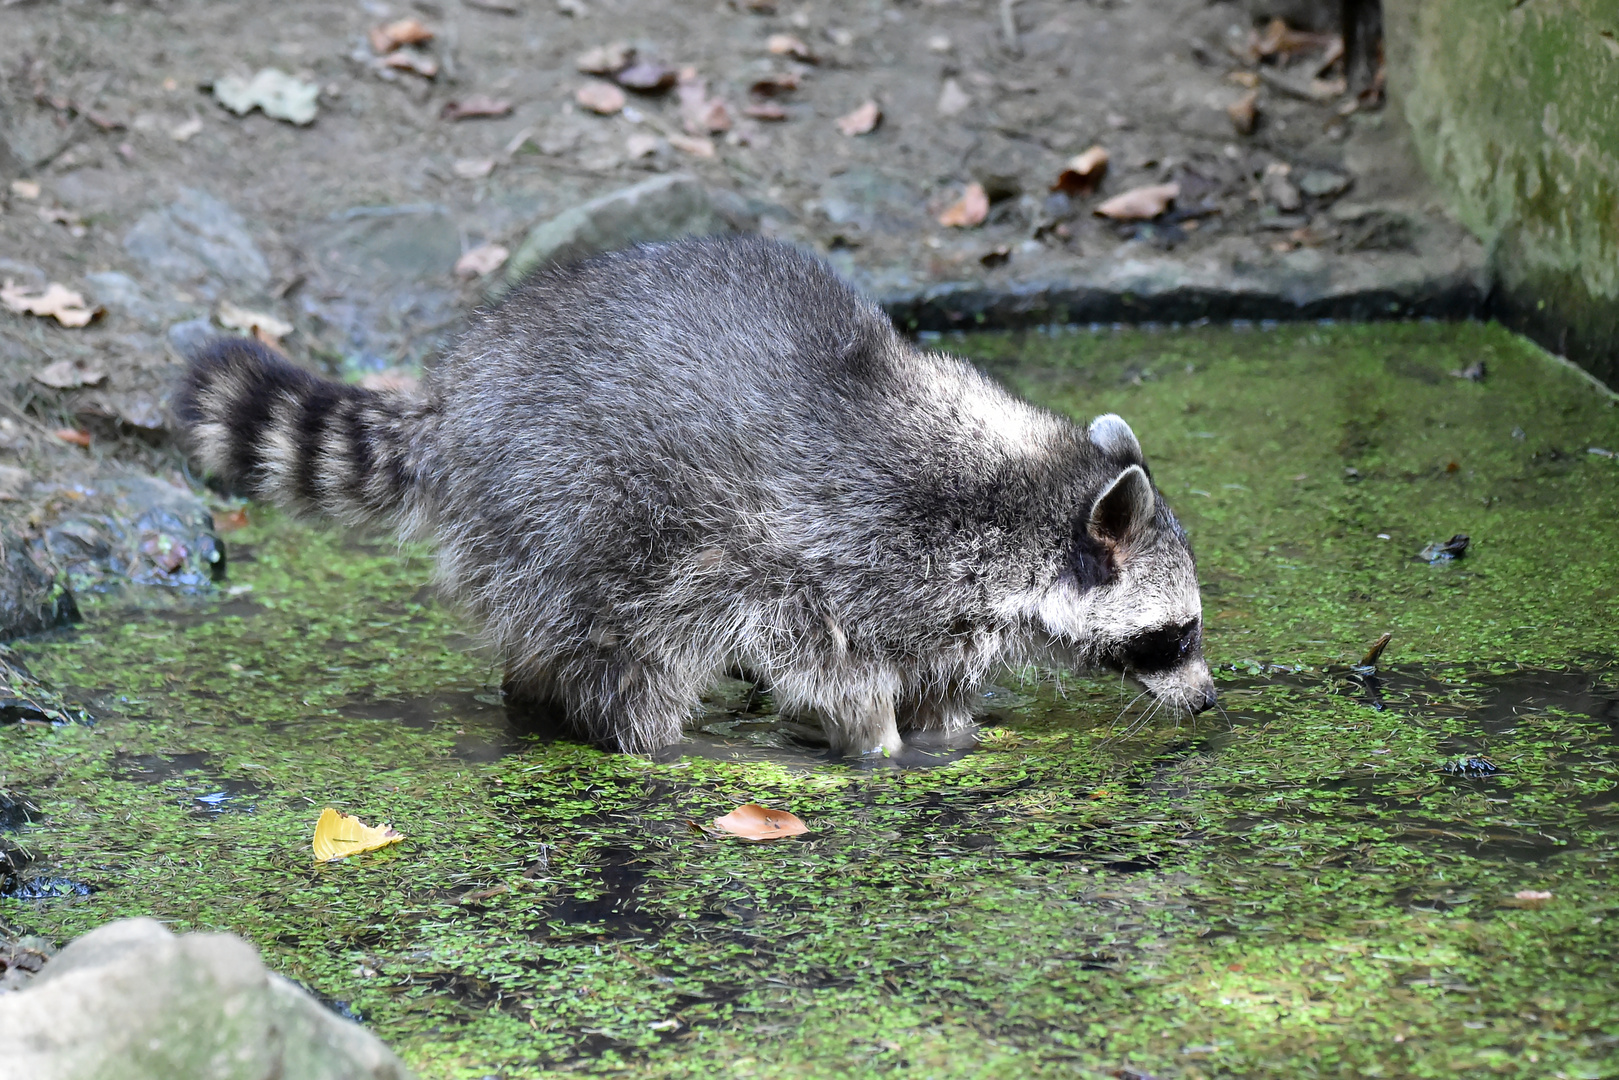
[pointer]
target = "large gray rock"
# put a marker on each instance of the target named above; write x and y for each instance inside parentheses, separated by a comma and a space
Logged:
(200, 242)
(662, 208)
(131, 1001)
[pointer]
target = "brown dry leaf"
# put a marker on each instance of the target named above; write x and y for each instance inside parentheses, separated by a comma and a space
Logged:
(231, 520)
(646, 77)
(775, 85)
(699, 113)
(473, 106)
(57, 301)
(863, 121)
(1282, 38)
(390, 36)
(258, 323)
(695, 145)
(968, 211)
(70, 375)
(413, 61)
(76, 436)
(606, 59)
(600, 97)
(788, 45)
(764, 110)
(337, 836)
(751, 821)
(1139, 204)
(1083, 173)
(481, 261)
(1244, 112)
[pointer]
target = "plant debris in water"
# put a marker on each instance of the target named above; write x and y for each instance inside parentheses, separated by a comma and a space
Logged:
(1288, 888)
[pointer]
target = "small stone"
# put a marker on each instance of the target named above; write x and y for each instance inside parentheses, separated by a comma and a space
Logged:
(1279, 189)
(1323, 183)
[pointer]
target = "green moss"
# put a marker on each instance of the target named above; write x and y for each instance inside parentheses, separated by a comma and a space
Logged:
(1298, 892)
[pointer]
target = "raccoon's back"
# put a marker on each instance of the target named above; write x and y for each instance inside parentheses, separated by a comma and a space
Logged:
(641, 405)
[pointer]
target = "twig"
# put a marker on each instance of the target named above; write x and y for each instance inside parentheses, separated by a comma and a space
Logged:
(1009, 27)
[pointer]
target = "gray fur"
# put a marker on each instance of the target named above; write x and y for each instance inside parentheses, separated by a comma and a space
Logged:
(657, 466)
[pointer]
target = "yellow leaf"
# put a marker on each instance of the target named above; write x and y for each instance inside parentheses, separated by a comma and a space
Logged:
(337, 835)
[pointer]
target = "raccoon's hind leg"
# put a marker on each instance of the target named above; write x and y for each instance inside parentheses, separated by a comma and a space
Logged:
(609, 697)
(859, 723)
(946, 710)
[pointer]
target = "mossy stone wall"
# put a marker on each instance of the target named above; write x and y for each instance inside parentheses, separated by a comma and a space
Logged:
(1514, 105)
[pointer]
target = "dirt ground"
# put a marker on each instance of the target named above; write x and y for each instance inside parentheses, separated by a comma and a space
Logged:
(129, 182)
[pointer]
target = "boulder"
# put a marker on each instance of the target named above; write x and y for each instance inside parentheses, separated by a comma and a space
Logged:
(662, 208)
(132, 1001)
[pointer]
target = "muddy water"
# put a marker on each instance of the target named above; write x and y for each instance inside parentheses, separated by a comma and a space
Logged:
(1323, 879)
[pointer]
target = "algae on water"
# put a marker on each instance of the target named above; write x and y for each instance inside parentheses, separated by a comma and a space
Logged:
(1292, 887)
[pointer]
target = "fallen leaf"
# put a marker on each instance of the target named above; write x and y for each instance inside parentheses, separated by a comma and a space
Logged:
(788, 45)
(70, 375)
(764, 110)
(1281, 38)
(1248, 80)
(76, 436)
(390, 36)
(473, 106)
(1139, 204)
(606, 59)
(1244, 112)
(232, 317)
(279, 95)
(473, 168)
(231, 520)
(699, 113)
(412, 60)
(751, 821)
(774, 85)
(337, 836)
(863, 121)
(57, 301)
(695, 145)
(481, 261)
(968, 211)
(186, 129)
(600, 97)
(646, 77)
(1083, 173)
(1528, 898)
(953, 100)
(25, 189)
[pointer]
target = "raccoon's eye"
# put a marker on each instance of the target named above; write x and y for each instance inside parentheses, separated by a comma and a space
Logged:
(1161, 649)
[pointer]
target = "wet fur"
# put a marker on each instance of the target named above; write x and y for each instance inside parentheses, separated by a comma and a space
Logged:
(660, 465)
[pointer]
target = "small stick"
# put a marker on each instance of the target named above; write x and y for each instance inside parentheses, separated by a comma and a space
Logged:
(1376, 651)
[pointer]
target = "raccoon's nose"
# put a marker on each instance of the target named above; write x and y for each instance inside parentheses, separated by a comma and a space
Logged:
(1207, 702)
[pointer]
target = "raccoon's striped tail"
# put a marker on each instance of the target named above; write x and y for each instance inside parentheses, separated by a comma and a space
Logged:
(278, 433)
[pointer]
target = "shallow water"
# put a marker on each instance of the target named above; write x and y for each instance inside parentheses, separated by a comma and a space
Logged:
(1319, 881)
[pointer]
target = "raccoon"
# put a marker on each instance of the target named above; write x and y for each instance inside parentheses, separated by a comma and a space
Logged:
(653, 467)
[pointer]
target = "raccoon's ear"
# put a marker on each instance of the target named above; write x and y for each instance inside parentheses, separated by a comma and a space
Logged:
(1111, 435)
(1125, 509)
